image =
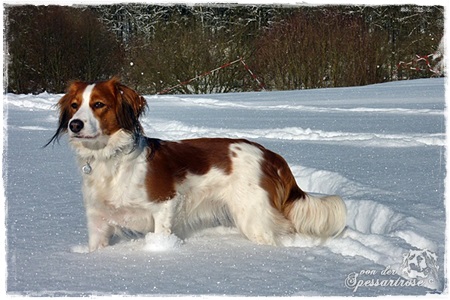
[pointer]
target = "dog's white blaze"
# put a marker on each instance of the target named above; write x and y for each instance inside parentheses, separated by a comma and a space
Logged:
(91, 125)
(87, 94)
(85, 112)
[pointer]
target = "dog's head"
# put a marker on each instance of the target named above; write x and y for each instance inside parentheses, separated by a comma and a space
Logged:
(91, 112)
(419, 263)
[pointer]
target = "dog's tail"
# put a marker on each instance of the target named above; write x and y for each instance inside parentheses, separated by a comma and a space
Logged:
(322, 217)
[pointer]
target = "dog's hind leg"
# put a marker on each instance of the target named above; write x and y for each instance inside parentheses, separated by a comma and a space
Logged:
(257, 219)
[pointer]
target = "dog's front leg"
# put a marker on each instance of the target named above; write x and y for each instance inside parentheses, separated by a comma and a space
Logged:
(164, 216)
(99, 231)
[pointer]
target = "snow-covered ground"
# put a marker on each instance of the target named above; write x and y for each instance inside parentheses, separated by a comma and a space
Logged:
(380, 147)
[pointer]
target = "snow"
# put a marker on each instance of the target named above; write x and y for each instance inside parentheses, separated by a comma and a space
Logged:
(158, 242)
(380, 147)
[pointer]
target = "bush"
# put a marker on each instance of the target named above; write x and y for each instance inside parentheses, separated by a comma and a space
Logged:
(154, 47)
(49, 46)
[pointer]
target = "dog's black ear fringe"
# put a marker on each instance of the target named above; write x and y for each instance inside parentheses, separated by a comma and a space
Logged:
(64, 115)
(55, 138)
(154, 145)
(62, 128)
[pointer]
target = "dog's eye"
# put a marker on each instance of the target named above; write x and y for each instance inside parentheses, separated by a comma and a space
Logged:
(98, 105)
(74, 105)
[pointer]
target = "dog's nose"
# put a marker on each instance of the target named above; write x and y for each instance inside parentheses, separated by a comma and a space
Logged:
(76, 125)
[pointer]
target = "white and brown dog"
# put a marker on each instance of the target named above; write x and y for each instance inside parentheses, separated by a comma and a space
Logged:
(174, 187)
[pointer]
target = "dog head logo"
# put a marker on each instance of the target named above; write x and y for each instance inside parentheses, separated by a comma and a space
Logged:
(420, 264)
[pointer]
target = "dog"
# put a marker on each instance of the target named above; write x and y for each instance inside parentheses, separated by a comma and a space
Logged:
(144, 184)
(420, 264)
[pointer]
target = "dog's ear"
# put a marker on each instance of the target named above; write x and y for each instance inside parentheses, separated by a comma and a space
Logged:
(131, 98)
(130, 106)
(63, 106)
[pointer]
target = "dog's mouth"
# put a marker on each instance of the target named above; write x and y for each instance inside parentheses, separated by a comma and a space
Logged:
(85, 137)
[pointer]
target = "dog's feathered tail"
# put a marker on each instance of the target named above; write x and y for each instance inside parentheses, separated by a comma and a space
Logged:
(321, 217)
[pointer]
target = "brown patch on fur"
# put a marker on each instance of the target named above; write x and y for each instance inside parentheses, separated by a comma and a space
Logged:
(171, 162)
(123, 106)
(104, 94)
(279, 182)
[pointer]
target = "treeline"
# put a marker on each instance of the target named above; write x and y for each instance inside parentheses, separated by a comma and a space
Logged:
(154, 47)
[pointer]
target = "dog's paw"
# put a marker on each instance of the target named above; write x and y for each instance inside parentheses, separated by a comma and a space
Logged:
(80, 249)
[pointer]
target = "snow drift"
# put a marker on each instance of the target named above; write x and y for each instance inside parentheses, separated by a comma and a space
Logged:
(379, 147)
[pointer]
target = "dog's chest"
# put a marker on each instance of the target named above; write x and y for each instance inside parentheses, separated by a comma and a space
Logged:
(117, 182)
